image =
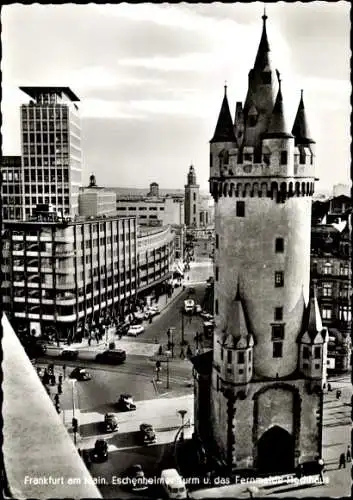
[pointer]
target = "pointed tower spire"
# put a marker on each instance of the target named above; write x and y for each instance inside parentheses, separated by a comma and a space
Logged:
(262, 59)
(224, 131)
(300, 128)
(314, 321)
(278, 127)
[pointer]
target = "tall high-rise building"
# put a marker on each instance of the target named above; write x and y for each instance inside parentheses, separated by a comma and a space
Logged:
(191, 210)
(259, 403)
(10, 169)
(51, 150)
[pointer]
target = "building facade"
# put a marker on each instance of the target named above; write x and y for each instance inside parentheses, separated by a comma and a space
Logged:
(11, 187)
(51, 150)
(95, 201)
(192, 200)
(58, 276)
(269, 356)
(330, 266)
(152, 209)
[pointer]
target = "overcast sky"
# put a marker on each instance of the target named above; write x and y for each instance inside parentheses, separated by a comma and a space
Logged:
(150, 79)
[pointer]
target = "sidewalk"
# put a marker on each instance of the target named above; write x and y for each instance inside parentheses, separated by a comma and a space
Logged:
(111, 335)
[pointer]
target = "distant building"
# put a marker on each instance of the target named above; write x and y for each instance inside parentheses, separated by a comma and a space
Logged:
(192, 200)
(51, 150)
(95, 200)
(152, 209)
(206, 211)
(341, 189)
(330, 265)
(11, 170)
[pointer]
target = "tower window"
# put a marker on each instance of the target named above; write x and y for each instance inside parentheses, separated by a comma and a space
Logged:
(249, 357)
(306, 352)
(240, 208)
(267, 158)
(278, 313)
(222, 355)
(279, 279)
(216, 306)
(277, 332)
(326, 313)
(194, 208)
(247, 157)
(284, 157)
(327, 289)
(217, 241)
(217, 273)
(277, 349)
(241, 358)
(252, 120)
(211, 160)
(194, 196)
(317, 352)
(229, 357)
(279, 245)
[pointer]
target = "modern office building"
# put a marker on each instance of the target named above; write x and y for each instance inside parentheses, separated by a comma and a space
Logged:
(155, 258)
(95, 200)
(192, 200)
(11, 172)
(259, 393)
(51, 150)
(152, 209)
(60, 275)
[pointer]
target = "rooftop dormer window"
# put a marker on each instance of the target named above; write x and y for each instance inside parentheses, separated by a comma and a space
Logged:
(266, 77)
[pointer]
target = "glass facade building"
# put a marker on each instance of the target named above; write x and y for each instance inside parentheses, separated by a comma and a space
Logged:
(51, 150)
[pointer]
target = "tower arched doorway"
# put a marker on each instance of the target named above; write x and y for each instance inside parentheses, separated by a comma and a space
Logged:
(275, 451)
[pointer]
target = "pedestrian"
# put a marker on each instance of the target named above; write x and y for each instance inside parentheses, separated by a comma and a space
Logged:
(189, 351)
(160, 350)
(64, 370)
(329, 387)
(338, 394)
(52, 380)
(89, 340)
(342, 462)
(321, 469)
(97, 338)
(56, 398)
(60, 389)
(182, 353)
(348, 454)
(60, 379)
(150, 321)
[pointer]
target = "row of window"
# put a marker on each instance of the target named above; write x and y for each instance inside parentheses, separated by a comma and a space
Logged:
(34, 200)
(327, 289)
(139, 208)
(329, 269)
(58, 112)
(266, 158)
(52, 161)
(40, 189)
(344, 312)
(11, 176)
(240, 356)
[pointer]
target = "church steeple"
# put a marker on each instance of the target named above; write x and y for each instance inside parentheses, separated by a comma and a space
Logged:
(224, 131)
(278, 127)
(262, 56)
(300, 128)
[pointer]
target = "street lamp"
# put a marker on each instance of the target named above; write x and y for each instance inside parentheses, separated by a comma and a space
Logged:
(182, 413)
(74, 419)
(167, 353)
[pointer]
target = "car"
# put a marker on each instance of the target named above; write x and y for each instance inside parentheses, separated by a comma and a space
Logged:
(69, 354)
(110, 422)
(155, 309)
(198, 309)
(135, 478)
(147, 434)
(126, 403)
(189, 305)
(151, 312)
(122, 328)
(80, 374)
(311, 468)
(173, 484)
(100, 451)
(112, 357)
(191, 290)
(135, 330)
(206, 316)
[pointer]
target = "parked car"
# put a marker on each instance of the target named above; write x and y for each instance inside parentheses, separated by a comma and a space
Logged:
(191, 290)
(135, 330)
(311, 468)
(136, 478)
(198, 309)
(126, 403)
(206, 316)
(208, 328)
(155, 309)
(80, 374)
(69, 354)
(110, 422)
(147, 434)
(150, 313)
(100, 451)
(122, 329)
(112, 357)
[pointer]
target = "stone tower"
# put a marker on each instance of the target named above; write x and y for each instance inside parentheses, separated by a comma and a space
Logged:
(192, 201)
(269, 350)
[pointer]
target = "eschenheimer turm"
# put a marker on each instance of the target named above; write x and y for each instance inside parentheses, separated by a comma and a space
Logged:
(258, 395)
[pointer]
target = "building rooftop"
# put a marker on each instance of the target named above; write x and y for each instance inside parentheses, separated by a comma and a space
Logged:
(36, 443)
(34, 92)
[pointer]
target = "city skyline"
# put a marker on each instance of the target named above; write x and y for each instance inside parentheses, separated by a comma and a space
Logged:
(151, 83)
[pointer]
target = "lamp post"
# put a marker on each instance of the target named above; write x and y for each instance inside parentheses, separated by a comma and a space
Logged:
(182, 327)
(182, 413)
(74, 419)
(167, 353)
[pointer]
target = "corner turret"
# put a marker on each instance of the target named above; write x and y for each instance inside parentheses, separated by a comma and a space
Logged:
(224, 131)
(305, 145)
